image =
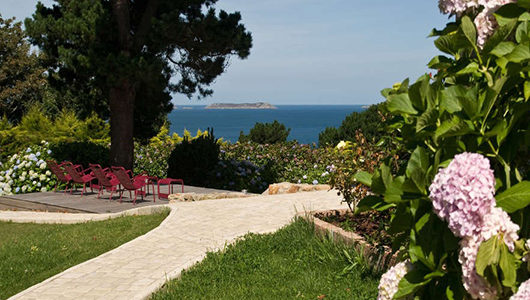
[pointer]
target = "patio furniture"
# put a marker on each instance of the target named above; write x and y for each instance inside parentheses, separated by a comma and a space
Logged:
(139, 184)
(59, 173)
(79, 176)
(106, 180)
(169, 182)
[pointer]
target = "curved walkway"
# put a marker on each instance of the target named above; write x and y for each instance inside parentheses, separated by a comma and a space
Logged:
(141, 266)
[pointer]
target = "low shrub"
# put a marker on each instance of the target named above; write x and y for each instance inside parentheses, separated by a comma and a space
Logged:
(153, 156)
(192, 160)
(240, 175)
(290, 161)
(266, 133)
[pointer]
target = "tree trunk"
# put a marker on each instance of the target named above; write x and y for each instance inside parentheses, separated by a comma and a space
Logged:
(122, 124)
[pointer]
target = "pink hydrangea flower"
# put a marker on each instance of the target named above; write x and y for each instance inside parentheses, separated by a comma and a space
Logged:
(388, 285)
(484, 21)
(474, 284)
(463, 193)
(523, 293)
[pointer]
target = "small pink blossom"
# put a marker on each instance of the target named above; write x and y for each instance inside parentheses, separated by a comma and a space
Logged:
(523, 293)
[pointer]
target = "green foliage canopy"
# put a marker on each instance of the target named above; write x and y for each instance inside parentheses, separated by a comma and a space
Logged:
(266, 133)
(117, 57)
(370, 122)
(21, 77)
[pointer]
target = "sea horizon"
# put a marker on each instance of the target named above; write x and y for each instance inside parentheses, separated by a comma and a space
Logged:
(305, 121)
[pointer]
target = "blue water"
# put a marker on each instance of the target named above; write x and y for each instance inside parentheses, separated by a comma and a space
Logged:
(305, 121)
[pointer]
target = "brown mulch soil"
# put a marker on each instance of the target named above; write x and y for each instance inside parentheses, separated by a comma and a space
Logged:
(371, 225)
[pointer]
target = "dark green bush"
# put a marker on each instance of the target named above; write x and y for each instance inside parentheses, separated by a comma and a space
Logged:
(83, 153)
(329, 137)
(370, 122)
(266, 133)
(193, 161)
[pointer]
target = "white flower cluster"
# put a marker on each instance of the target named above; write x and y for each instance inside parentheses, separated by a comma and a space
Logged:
(388, 286)
(484, 21)
(27, 171)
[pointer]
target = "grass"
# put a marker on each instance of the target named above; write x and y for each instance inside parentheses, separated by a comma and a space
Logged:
(290, 264)
(30, 253)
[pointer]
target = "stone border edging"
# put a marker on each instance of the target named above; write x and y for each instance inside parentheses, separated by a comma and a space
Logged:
(322, 228)
(71, 218)
(135, 211)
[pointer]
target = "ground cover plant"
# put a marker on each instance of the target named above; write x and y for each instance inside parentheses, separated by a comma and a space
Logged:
(462, 202)
(291, 263)
(30, 253)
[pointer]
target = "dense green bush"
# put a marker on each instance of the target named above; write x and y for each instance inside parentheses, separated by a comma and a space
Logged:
(370, 122)
(194, 160)
(153, 156)
(35, 127)
(83, 153)
(266, 133)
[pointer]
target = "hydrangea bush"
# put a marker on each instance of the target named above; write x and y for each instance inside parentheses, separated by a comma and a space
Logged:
(26, 172)
(290, 161)
(460, 206)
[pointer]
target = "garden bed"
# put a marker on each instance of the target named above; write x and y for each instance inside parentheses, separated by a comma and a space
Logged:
(367, 231)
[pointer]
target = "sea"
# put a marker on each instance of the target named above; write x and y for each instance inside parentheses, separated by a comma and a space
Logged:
(305, 121)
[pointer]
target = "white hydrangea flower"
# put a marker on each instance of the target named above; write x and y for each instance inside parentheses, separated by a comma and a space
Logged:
(388, 286)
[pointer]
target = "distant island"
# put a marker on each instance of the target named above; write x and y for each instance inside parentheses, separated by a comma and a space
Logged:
(257, 105)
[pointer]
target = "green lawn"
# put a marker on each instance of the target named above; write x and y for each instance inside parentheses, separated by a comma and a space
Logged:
(30, 253)
(291, 263)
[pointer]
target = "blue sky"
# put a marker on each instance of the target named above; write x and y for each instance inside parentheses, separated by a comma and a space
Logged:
(317, 51)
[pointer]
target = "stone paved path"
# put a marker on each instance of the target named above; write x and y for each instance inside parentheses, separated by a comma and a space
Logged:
(139, 267)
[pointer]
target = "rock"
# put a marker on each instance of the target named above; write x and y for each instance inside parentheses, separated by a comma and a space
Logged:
(293, 189)
(190, 197)
(290, 188)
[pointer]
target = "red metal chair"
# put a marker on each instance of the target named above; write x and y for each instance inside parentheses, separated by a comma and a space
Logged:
(106, 180)
(139, 184)
(169, 182)
(59, 173)
(78, 176)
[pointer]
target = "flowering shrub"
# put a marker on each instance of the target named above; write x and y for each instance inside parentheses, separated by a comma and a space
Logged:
(26, 172)
(464, 228)
(351, 159)
(291, 162)
(239, 175)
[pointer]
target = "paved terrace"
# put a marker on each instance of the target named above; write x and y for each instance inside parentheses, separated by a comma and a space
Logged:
(141, 266)
(88, 203)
